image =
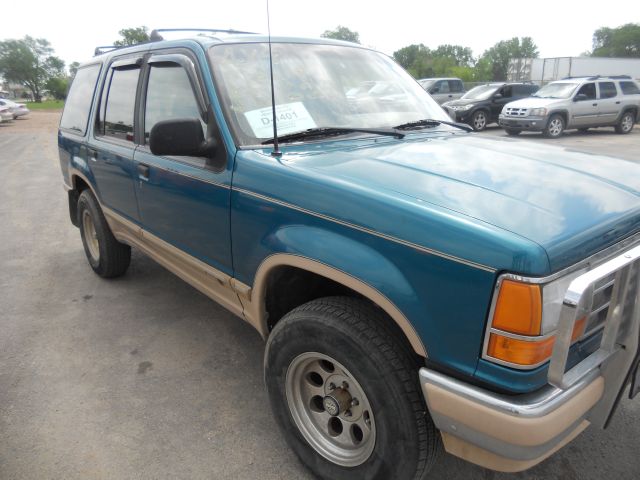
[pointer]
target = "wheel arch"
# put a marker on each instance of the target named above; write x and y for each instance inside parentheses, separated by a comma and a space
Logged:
(256, 309)
(563, 113)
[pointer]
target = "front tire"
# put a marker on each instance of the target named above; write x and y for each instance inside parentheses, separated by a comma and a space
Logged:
(107, 257)
(554, 127)
(344, 389)
(625, 124)
(480, 120)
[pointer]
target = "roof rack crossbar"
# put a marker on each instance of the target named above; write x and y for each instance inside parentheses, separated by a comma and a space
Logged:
(107, 48)
(156, 37)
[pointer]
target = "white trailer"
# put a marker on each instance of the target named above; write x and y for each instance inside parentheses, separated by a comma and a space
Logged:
(544, 70)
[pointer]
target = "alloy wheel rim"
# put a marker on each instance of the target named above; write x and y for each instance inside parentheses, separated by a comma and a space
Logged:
(330, 409)
(555, 128)
(480, 121)
(627, 123)
(90, 235)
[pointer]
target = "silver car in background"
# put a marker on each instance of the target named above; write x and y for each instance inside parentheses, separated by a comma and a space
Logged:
(5, 114)
(575, 103)
(17, 109)
(443, 89)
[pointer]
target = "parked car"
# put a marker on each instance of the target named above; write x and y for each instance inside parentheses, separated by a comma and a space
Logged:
(17, 109)
(6, 115)
(579, 103)
(443, 89)
(482, 105)
(413, 287)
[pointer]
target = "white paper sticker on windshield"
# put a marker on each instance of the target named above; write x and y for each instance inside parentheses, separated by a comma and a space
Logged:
(291, 117)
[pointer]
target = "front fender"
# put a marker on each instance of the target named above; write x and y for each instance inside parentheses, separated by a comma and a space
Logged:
(341, 259)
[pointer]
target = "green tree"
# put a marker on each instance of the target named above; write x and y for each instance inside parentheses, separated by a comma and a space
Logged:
(132, 36)
(58, 87)
(73, 69)
(342, 33)
(501, 54)
(623, 41)
(445, 60)
(29, 62)
(461, 56)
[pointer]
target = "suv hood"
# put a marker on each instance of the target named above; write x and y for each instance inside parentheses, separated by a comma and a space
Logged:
(571, 204)
(460, 102)
(533, 102)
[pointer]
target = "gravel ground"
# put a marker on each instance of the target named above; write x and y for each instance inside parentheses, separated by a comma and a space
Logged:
(144, 377)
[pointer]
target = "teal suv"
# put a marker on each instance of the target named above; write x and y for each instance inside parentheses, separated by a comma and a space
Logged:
(419, 287)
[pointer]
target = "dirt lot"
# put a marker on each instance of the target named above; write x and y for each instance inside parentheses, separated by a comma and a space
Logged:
(143, 377)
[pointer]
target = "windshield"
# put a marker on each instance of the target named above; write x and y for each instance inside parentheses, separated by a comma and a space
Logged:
(556, 90)
(482, 92)
(315, 86)
(426, 83)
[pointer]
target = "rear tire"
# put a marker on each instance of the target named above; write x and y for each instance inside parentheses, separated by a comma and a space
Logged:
(344, 347)
(555, 126)
(107, 257)
(625, 124)
(512, 132)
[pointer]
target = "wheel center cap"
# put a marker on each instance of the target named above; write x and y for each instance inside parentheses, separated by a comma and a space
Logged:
(337, 402)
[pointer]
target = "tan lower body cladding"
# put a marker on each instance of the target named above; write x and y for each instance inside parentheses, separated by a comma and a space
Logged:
(243, 300)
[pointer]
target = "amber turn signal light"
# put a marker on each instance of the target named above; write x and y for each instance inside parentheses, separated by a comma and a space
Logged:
(518, 308)
(527, 353)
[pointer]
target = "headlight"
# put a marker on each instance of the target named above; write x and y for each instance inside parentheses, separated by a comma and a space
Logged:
(538, 112)
(461, 107)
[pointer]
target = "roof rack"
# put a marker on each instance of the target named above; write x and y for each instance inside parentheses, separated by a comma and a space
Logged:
(156, 37)
(596, 77)
(107, 48)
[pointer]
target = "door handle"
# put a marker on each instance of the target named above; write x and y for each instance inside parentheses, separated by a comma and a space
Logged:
(93, 155)
(618, 102)
(143, 171)
(595, 105)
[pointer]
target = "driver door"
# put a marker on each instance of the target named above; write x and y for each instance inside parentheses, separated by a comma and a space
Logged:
(585, 111)
(182, 200)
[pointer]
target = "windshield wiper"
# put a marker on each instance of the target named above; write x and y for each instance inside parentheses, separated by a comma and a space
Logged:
(333, 131)
(430, 122)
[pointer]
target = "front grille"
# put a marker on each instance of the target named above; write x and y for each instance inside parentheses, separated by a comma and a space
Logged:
(515, 112)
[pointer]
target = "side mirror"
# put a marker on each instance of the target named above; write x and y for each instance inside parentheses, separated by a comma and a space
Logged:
(497, 96)
(182, 137)
(580, 97)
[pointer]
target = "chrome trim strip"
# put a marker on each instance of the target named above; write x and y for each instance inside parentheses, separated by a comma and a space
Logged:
(368, 231)
(531, 405)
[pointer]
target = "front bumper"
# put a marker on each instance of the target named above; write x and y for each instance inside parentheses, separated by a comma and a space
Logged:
(532, 124)
(508, 433)
(463, 116)
(513, 433)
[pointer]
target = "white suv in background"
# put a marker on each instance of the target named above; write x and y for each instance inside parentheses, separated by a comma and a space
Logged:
(571, 103)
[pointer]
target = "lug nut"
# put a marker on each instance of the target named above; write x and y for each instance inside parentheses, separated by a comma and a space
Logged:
(332, 386)
(347, 413)
(355, 402)
(345, 385)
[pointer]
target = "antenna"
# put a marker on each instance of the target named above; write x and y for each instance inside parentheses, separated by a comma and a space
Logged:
(276, 151)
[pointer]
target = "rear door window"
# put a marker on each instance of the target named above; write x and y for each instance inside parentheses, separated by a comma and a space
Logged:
(441, 87)
(79, 99)
(607, 89)
(118, 105)
(455, 86)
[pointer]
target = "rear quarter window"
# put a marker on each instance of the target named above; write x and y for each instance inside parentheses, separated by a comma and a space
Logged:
(78, 105)
(629, 88)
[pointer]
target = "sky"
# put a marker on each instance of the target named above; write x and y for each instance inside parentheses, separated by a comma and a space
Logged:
(558, 27)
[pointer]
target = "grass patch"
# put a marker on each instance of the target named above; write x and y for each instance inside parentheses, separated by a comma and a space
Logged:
(46, 105)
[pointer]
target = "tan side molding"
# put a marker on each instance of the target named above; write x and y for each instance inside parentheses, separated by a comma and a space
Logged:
(255, 311)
